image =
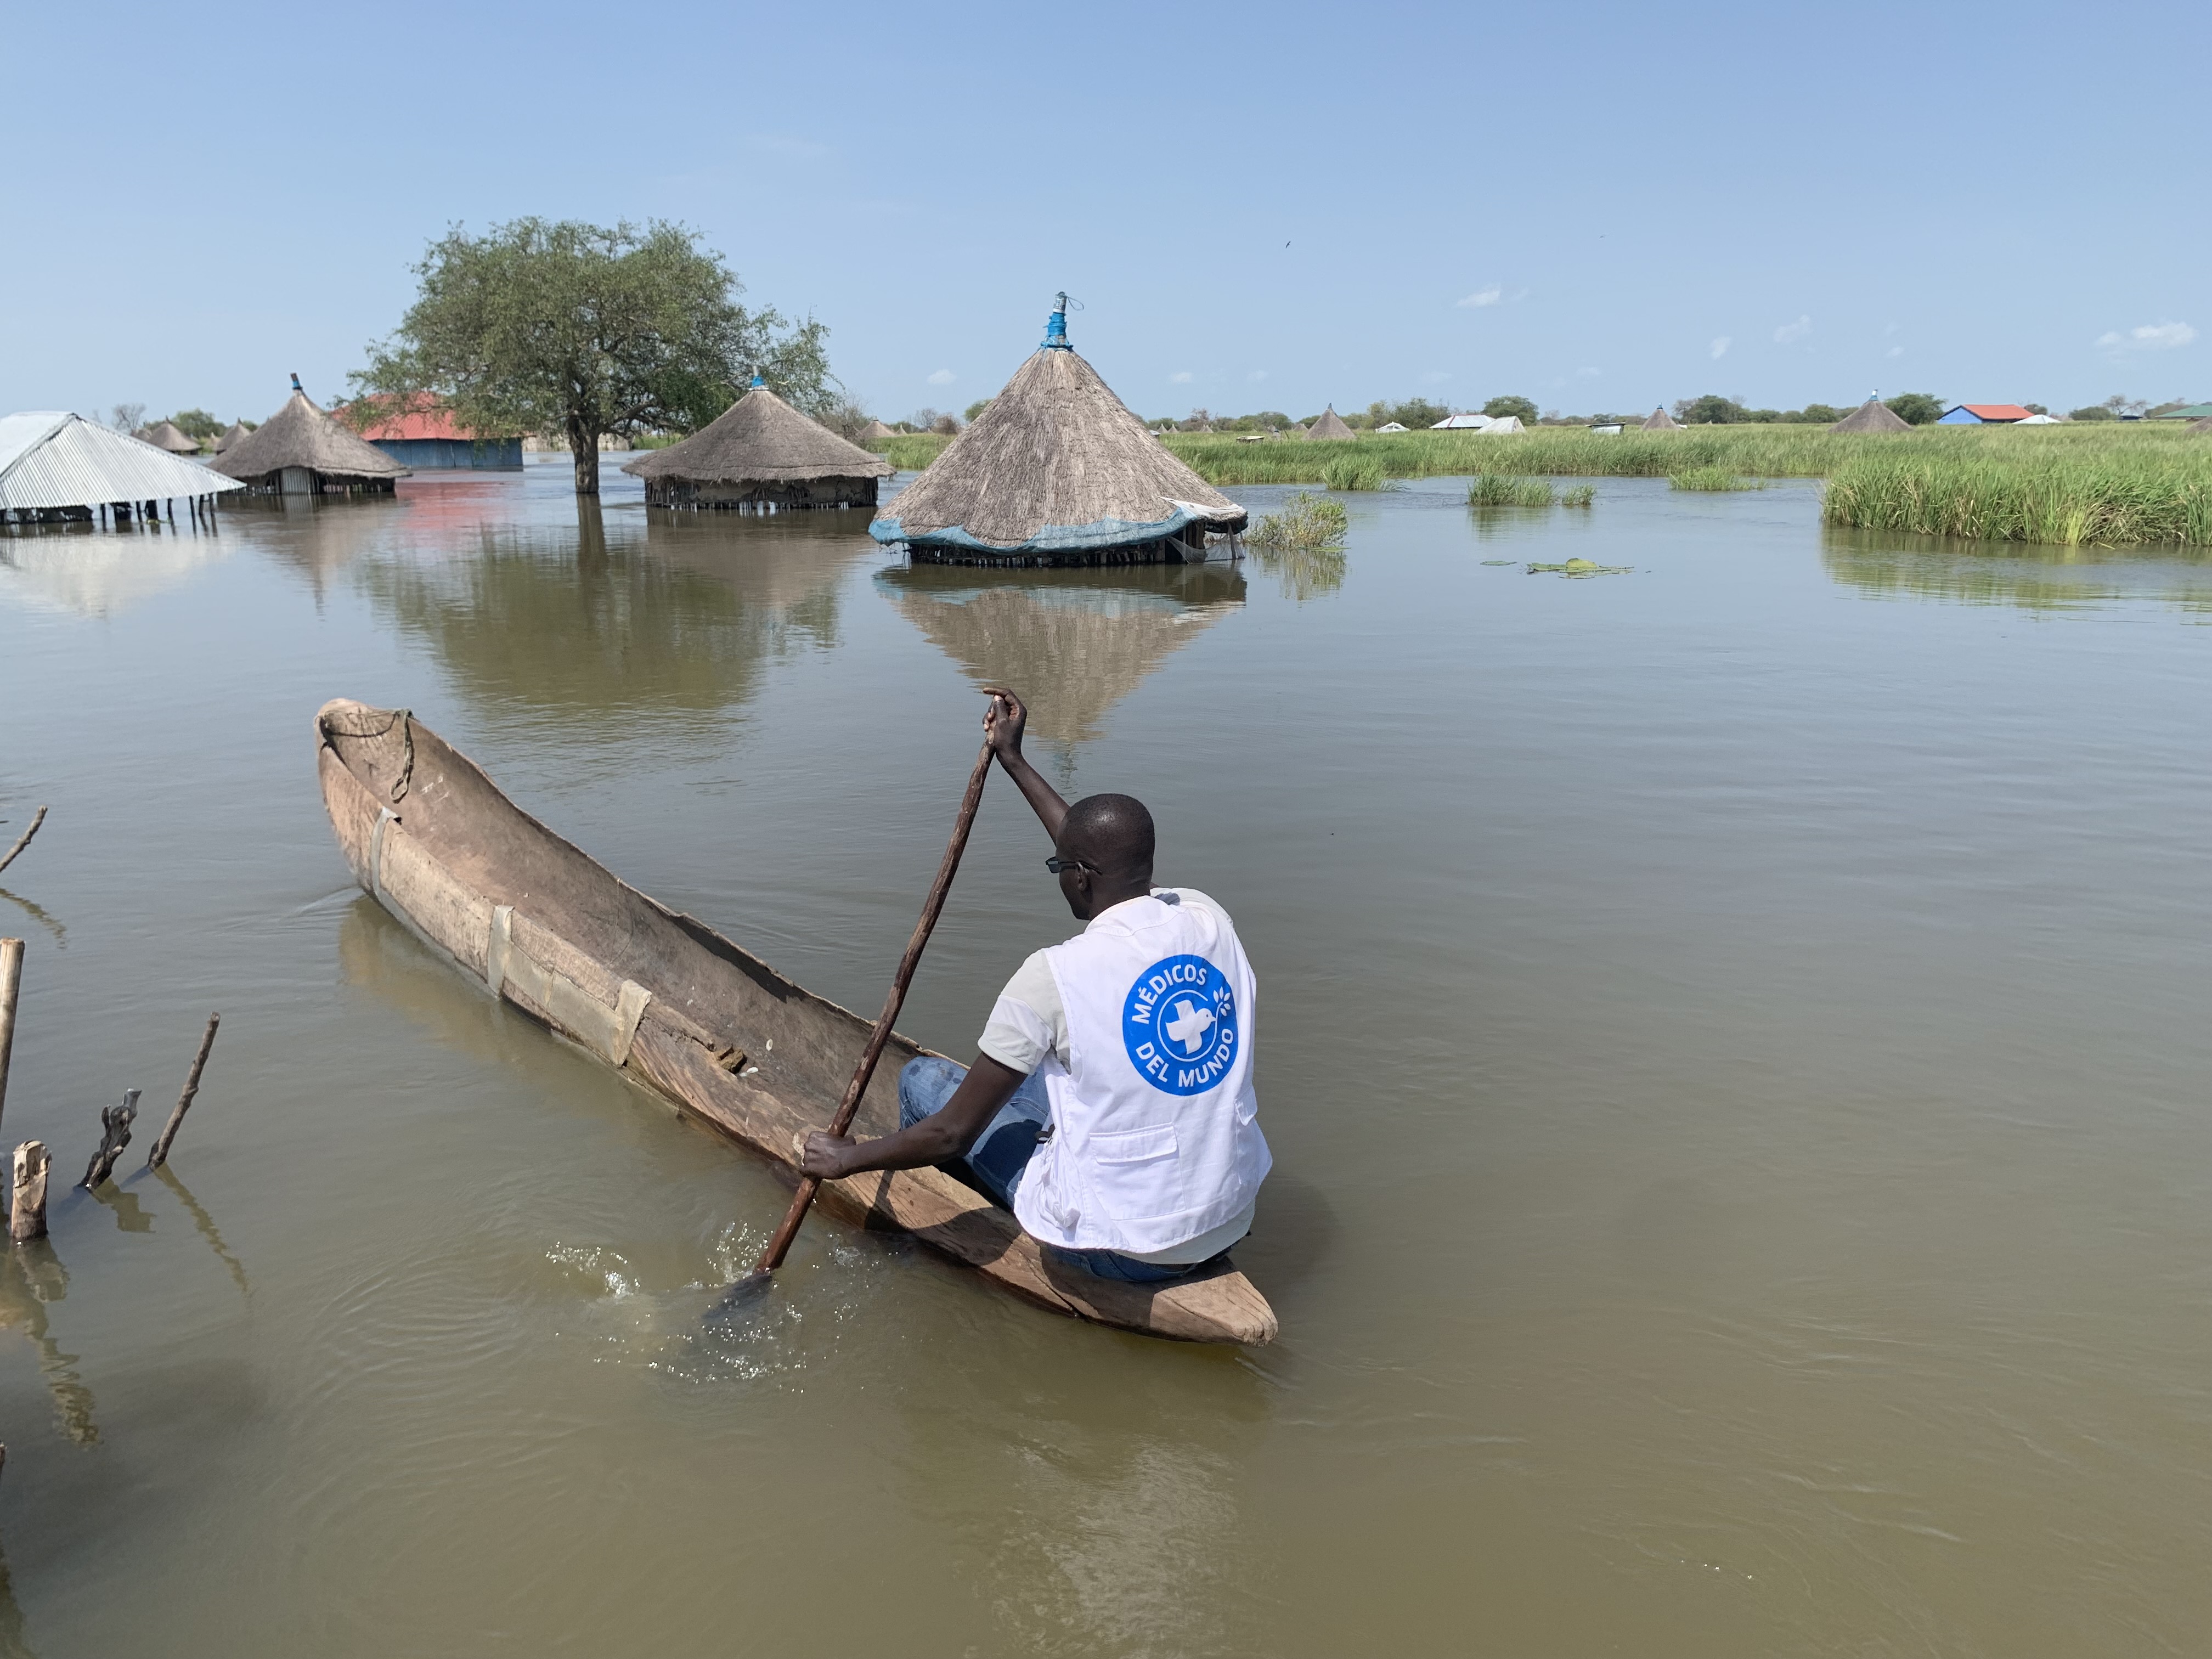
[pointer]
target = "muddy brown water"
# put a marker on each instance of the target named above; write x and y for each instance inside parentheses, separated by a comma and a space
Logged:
(1733, 1037)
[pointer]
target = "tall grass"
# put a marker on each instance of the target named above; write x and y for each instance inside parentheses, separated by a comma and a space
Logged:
(1354, 471)
(1500, 489)
(1712, 479)
(2114, 497)
(910, 452)
(1307, 521)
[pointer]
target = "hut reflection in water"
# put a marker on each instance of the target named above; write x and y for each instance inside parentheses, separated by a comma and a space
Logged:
(1073, 641)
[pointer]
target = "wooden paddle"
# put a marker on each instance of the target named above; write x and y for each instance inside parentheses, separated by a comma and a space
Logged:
(772, 1258)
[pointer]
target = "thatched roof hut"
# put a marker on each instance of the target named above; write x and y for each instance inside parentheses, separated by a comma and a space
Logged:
(875, 430)
(1057, 471)
(1871, 415)
(301, 451)
(228, 442)
(167, 435)
(2201, 425)
(1329, 426)
(1660, 420)
(760, 454)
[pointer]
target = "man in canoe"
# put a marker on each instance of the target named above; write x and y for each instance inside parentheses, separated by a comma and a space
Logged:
(1110, 1105)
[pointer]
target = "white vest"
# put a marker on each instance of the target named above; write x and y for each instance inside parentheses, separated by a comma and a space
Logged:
(1155, 1131)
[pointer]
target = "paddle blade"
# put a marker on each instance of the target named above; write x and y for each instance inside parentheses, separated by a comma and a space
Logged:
(746, 1294)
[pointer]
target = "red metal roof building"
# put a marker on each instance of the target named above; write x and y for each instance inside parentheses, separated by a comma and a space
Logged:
(1984, 415)
(424, 436)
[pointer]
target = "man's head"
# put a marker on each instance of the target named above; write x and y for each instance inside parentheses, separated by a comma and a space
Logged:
(1105, 846)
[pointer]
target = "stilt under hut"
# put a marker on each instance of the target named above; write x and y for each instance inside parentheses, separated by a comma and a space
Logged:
(1871, 415)
(301, 451)
(1330, 428)
(761, 455)
(1057, 471)
(1660, 420)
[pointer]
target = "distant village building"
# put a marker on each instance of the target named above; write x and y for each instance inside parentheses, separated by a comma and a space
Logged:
(1057, 471)
(1660, 420)
(1982, 415)
(423, 437)
(875, 430)
(1607, 428)
(761, 454)
(1873, 416)
(2190, 412)
(56, 467)
(1503, 425)
(1330, 428)
(2038, 419)
(228, 442)
(168, 435)
(301, 451)
(1461, 424)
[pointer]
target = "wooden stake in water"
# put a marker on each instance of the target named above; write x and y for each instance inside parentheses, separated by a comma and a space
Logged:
(11, 980)
(24, 840)
(160, 1155)
(115, 1123)
(27, 1213)
(772, 1258)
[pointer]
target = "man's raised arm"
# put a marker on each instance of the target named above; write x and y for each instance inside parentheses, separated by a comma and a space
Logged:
(1004, 723)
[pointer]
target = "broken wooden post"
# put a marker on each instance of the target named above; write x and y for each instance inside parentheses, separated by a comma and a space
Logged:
(11, 980)
(24, 840)
(114, 1135)
(26, 1214)
(160, 1155)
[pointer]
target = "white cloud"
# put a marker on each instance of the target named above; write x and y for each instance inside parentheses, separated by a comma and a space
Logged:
(1181, 377)
(1894, 351)
(1587, 373)
(1790, 333)
(1483, 296)
(943, 377)
(1721, 343)
(2151, 336)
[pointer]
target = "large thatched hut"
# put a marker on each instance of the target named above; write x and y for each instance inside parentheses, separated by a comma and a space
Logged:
(1660, 420)
(1057, 471)
(762, 455)
(301, 451)
(1330, 425)
(168, 435)
(1871, 415)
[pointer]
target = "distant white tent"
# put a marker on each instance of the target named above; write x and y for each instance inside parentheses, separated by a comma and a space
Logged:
(50, 459)
(1503, 423)
(1461, 424)
(1393, 426)
(2038, 419)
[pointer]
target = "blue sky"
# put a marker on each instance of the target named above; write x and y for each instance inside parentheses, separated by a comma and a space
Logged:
(1598, 205)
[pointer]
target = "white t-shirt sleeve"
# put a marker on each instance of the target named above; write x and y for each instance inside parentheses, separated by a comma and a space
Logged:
(1028, 1022)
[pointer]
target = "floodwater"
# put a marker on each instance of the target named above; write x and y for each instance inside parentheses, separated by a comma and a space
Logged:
(1734, 1036)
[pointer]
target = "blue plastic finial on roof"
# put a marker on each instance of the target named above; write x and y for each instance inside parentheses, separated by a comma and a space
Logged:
(1055, 326)
(296, 384)
(758, 381)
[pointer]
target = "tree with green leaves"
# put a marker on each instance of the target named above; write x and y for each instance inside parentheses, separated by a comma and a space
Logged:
(1711, 409)
(1500, 407)
(1915, 408)
(559, 327)
(196, 424)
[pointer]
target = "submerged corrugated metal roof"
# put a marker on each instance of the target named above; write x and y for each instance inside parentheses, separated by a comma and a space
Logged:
(49, 458)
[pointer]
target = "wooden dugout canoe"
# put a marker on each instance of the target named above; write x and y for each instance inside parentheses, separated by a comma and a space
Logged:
(670, 1001)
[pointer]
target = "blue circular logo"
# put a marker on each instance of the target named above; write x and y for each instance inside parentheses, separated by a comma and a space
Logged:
(1180, 1025)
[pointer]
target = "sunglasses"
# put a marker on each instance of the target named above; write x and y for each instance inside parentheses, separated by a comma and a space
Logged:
(1057, 866)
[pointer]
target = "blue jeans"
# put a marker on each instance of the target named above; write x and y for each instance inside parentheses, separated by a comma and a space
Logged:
(1002, 1153)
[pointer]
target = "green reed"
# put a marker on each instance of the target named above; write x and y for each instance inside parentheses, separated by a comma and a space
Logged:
(1355, 471)
(2109, 497)
(1502, 490)
(1306, 521)
(1580, 496)
(1712, 479)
